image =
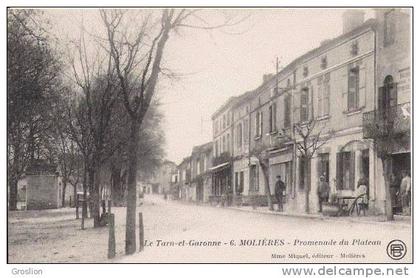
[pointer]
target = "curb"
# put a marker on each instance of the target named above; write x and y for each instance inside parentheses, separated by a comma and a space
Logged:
(323, 218)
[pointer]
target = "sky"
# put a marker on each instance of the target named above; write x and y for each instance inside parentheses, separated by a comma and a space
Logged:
(213, 65)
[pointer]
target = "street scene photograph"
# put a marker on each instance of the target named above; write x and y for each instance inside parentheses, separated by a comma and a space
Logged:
(213, 135)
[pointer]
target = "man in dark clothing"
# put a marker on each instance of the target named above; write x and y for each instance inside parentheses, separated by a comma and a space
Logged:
(323, 192)
(279, 189)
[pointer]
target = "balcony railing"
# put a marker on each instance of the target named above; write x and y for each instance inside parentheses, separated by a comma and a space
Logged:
(222, 158)
(388, 122)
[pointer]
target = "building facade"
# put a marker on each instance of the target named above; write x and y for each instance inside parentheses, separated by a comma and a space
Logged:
(201, 178)
(222, 175)
(333, 89)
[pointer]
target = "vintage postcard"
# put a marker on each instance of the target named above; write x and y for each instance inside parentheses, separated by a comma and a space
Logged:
(209, 135)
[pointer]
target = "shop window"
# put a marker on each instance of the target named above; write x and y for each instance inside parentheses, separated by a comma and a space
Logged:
(345, 170)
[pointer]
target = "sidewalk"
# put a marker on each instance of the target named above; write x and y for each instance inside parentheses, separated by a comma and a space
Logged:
(402, 221)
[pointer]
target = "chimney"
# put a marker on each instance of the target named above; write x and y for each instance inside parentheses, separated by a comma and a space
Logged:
(267, 77)
(352, 19)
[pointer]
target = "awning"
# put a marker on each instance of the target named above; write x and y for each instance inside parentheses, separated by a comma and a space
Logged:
(220, 166)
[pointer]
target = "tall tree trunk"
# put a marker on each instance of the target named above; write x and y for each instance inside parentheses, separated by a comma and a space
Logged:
(63, 193)
(116, 185)
(386, 163)
(74, 195)
(265, 171)
(96, 198)
(84, 204)
(307, 171)
(13, 193)
(130, 232)
(91, 180)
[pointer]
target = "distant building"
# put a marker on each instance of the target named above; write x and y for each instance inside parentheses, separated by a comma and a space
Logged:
(201, 178)
(222, 152)
(43, 188)
(160, 183)
(184, 188)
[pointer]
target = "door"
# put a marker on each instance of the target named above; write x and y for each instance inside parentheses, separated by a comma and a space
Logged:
(387, 97)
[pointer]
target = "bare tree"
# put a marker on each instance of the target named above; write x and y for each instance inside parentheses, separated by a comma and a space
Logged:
(261, 153)
(310, 137)
(136, 42)
(34, 86)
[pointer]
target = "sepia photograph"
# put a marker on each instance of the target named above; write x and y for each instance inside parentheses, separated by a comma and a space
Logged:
(270, 135)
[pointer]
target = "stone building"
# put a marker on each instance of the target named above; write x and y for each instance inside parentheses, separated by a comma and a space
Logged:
(340, 86)
(392, 104)
(184, 186)
(201, 178)
(43, 189)
(222, 152)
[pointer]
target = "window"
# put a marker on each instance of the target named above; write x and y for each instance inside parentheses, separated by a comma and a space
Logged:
(258, 124)
(246, 131)
(324, 62)
(254, 178)
(287, 111)
(389, 28)
(304, 99)
(239, 182)
(205, 163)
(224, 121)
(228, 142)
(216, 148)
(324, 166)
(223, 148)
(345, 170)
(288, 83)
(353, 89)
(198, 166)
(294, 78)
(273, 112)
(324, 95)
(239, 135)
(354, 50)
(305, 71)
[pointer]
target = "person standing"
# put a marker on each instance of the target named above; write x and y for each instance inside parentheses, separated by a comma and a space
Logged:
(279, 189)
(362, 194)
(323, 192)
(405, 191)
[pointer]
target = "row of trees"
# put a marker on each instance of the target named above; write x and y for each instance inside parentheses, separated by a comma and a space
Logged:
(70, 112)
(93, 113)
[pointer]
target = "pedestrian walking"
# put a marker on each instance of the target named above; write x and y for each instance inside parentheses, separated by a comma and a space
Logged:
(278, 191)
(323, 192)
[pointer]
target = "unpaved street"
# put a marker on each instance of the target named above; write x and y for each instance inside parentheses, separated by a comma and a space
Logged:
(177, 232)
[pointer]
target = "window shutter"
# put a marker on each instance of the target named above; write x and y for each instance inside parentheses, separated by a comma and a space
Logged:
(339, 171)
(352, 170)
(274, 117)
(319, 167)
(393, 95)
(296, 107)
(362, 86)
(344, 88)
(381, 99)
(261, 124)
(311, 113)
(320, 96)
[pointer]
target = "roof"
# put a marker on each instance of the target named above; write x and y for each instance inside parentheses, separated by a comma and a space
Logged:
(203, 148)
(229, 102)
(41, 166)
(326, 44)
